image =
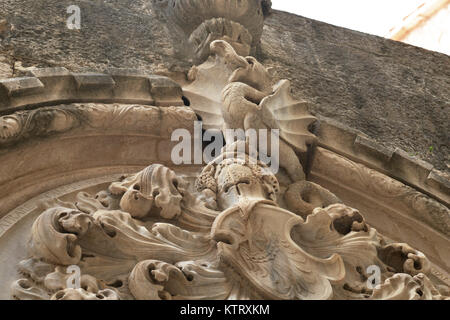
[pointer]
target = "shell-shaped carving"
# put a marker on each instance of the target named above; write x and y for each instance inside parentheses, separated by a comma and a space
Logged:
(281, 111)
(209, 80)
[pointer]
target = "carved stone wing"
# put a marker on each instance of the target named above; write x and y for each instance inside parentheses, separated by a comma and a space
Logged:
(291, 117)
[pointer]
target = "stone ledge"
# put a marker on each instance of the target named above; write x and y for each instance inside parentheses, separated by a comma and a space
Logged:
(439, 180)
(131, 83)
(46, 73)
(25, 86)
(49, 86)
(397, 163)
(93, 81)
(411, 169)
(165, 91)
(371, 149)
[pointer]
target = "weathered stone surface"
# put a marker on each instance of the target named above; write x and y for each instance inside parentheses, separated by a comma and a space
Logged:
(398, 95)
(5, 28)
(22, 86)
(94, 80)
(6, 70)
(122, 34)
(226, 230)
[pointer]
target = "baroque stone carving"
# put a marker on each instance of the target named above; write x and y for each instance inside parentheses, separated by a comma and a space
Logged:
(395, 193)
(240, 23)
(48, 121)
(248, 248)
(244, 97)
(238, 231)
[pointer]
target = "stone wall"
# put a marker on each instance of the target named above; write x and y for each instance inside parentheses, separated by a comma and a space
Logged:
(396, 94)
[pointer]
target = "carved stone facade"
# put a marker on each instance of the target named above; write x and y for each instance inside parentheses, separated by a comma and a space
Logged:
(88, 184)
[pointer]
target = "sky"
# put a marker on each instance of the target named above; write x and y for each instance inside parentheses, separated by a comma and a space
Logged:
(369, 16)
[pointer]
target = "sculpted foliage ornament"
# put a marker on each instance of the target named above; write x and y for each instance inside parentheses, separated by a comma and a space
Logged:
(237, 232)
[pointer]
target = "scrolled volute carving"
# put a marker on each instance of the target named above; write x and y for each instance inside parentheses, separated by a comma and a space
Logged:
(154, 188)
(406, 287)
(157, 280)
(303, 197)
(24, 289)
(55, 234)
(404, 259)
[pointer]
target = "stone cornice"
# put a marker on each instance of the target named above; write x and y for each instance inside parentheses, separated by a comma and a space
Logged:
(50, 86)
(396, 164)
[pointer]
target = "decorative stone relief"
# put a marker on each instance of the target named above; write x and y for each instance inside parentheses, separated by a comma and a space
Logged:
(152, 236)
(237, 232)
(47, 121)
(395, 193)
(233, 92)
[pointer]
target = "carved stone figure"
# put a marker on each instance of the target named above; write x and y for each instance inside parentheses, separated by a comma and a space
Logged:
(230, 230)
(125, 252)
(249, 101)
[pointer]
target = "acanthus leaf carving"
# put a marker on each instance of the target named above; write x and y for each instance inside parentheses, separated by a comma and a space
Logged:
(157, 235)
(55, 234)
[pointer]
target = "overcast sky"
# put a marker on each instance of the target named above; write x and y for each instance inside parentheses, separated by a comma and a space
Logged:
(370, 16)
